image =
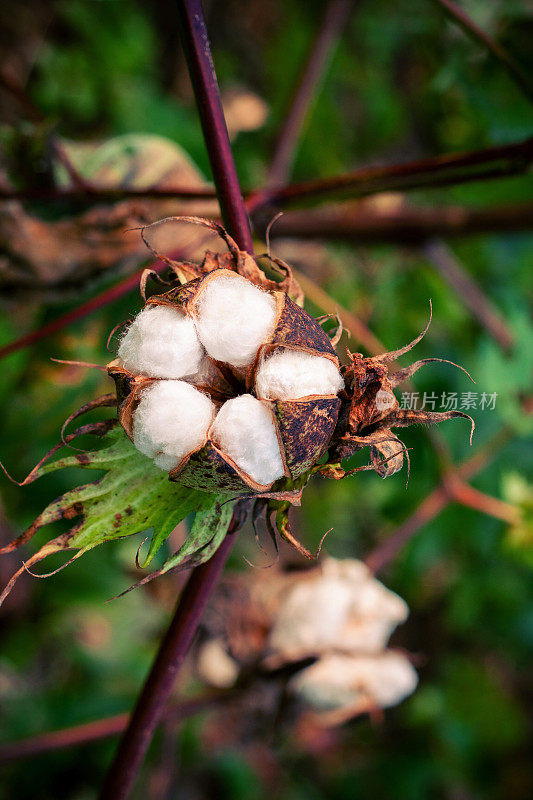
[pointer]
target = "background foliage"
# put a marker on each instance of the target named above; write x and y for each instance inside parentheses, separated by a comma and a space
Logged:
(403, 83)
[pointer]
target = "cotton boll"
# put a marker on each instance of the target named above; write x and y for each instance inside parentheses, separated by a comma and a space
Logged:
(343, 606)
(244, 430)
(161, 342)
(215, 666)
(233, 318)
(290, 374)
(356, 683)
(171, 421)
(310, 619)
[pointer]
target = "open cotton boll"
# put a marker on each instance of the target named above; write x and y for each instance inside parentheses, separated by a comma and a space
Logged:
(171, 421)
(342, 606)
(161, 342)
(336, 681)
(310, 619)
(244, 430)
(290, 374)
(233, 318)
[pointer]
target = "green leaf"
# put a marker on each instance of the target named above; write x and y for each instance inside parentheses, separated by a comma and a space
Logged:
(133, 496)
(207, 534)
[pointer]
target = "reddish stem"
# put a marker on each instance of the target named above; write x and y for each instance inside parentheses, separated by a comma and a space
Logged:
(400, 222)
(83, 310)
(89, 193)
(443, 170)
(320, 53)
(158, 686)
(469, 292)
(433, 504)
(204, 80)
(467, 24)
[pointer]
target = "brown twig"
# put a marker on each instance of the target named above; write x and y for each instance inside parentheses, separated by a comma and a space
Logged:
(156, 691)
(401, 223)
(99, 729)
(444, 170)
(467, 24)
(433, 504)
(468, 292)
(101, 300)
(91, 193)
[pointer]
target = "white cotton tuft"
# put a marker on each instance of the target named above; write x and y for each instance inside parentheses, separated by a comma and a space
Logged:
(343, 606)
(171, 421)
(356, 682)
(233, 319)
(244, 430)
(290, 374)
(161, 342)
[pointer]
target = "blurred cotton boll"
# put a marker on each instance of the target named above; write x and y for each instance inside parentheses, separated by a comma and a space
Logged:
(341, 606)
(347, 685)
(215, 666)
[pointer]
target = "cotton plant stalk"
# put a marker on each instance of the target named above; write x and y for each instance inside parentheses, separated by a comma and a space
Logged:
(228, 392)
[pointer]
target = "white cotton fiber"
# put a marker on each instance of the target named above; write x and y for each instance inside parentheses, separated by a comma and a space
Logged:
(343, 606)
(337, 680)
(244, 430)
(290, 374)
(171, 421)
(233, 318)
(161, 342)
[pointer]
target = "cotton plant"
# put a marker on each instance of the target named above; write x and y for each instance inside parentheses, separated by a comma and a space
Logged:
(330, 626)
(228, 395)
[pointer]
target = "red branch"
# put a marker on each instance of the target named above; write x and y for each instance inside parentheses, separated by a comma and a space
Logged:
(158, 686)
(467, 24)
(320, 53)
(435, 502)
(444, 170)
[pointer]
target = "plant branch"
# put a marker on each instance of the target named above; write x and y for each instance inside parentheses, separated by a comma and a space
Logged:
(443, 170)
(91, 193)
(101, 300)
(402, 223)
(433, 504)
(158, 686)
(458, 16)
(468, 292)
(151, 703)
(318, 59)
(204, 81)
(99, 729)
